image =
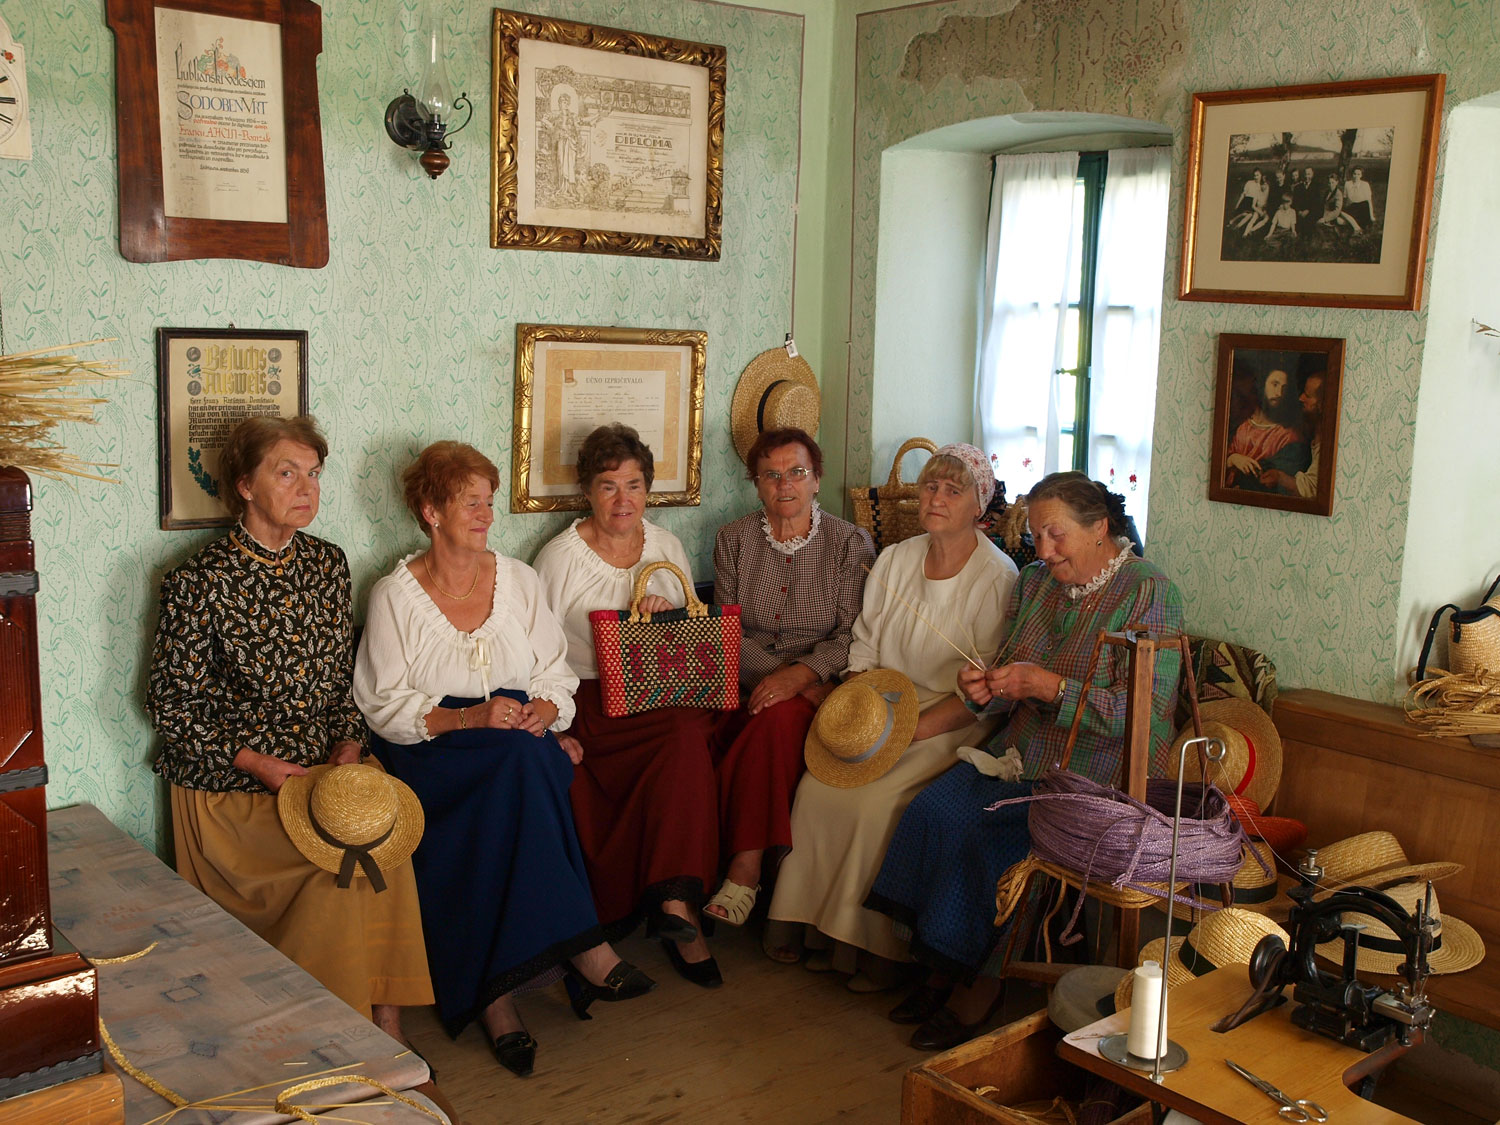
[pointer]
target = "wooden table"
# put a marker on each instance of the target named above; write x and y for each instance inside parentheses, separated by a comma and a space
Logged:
(1301, 1063)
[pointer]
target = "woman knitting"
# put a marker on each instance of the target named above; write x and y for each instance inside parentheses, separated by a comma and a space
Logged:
(948, 852)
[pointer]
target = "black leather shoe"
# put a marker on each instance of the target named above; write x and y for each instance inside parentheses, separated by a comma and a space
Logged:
(921, 1005)
(944, 1031)
(705, 974)
(516, 1052)
(624, 982)
(672, 928)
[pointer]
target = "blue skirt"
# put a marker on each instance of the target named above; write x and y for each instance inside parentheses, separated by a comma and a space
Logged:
(942, 865)
(499, 871)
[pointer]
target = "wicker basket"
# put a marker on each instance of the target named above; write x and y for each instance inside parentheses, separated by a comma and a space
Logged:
(889, 511)
(1473, 638)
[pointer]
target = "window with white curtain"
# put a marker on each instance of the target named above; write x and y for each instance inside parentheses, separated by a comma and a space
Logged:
(1073, 284)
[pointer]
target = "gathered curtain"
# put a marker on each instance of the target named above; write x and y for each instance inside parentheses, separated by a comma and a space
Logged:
(1027, 272)
(1127, 322)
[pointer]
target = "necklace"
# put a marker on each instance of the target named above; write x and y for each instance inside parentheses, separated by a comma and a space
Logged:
(1100, 580)
(279, 564)
(431, 577)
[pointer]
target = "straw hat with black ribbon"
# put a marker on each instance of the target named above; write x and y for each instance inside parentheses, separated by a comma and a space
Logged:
(356, 821)
(1375, 859)
(862, 728)
(1455, 946)
(1256, 887)
(1225, 937)
(775, 391)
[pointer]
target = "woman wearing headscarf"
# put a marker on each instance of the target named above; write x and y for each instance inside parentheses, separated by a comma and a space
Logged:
(950, 578)
(249, 686)
(948, 852)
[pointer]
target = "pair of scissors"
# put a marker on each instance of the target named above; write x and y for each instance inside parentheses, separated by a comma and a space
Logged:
(1292, 1109)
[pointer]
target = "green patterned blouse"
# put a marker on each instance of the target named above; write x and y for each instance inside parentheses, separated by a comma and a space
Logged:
(252, 652)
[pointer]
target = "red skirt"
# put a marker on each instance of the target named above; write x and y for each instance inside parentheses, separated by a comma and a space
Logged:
(646, 806)
(760, 761)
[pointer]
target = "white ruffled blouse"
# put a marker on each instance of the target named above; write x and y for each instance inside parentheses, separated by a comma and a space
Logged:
(411, 656)
(577, 582)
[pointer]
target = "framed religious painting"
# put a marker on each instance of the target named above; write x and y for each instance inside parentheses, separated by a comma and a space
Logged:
(1276, 422)
(570, 380)
(208, 379)
(1312, 195)
(605, 141)
(220, 141)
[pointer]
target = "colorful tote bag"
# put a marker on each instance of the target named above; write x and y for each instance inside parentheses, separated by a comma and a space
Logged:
(681, 658)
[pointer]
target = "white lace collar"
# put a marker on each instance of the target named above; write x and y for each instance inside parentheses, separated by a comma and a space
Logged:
(1100, 580)
(792, 546)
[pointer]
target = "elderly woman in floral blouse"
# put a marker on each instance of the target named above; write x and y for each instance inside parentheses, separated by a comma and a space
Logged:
(250, 685)
(798, 575)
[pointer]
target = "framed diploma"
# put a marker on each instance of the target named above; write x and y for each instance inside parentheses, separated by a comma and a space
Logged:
(605, 141)
(207, 380)
(220, 141)
(570, 380)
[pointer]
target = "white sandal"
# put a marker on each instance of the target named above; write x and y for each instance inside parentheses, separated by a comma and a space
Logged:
(736, 900)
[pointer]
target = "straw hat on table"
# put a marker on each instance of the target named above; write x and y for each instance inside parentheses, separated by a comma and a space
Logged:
(356, 821)
(775, 391)
(1455, 947)
(862, 728)
(1225, 937)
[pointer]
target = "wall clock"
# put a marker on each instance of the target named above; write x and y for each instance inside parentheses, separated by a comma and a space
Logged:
(15, 107)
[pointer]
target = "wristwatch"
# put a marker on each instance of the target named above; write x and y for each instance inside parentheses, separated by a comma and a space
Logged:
(1062, 690)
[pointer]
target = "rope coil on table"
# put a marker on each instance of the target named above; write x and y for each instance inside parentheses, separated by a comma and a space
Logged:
(1103, 836)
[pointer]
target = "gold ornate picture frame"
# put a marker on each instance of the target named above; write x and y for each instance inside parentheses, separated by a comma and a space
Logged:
(605, 141)
(571, 379)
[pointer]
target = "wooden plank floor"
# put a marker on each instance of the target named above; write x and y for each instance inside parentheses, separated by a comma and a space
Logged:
(775, 1044)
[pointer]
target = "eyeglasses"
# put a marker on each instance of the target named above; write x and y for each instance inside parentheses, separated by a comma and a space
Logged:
(796, 475)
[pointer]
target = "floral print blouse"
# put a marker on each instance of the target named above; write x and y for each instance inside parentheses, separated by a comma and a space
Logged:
(255, 653)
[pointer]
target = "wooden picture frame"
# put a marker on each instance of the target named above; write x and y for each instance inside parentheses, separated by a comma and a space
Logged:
(571, 379)
(240, 174)
(1354, 236)
(605, 141)
(1276, 422)
(207, 380)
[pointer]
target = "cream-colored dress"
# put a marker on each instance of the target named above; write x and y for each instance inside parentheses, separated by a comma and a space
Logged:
(839, 836)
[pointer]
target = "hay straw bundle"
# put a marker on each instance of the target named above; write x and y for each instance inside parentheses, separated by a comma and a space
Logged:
(35, 398)
(1448, 704)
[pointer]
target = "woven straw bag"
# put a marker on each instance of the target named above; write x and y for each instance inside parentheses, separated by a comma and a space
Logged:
(889, 511)
(1473, 637)
(680, 658)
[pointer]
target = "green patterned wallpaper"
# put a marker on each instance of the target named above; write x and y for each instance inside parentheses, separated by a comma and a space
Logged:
(411, 325)
(1319, 595)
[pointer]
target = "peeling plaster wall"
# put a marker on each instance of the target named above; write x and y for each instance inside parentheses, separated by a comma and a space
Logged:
(1317, 594)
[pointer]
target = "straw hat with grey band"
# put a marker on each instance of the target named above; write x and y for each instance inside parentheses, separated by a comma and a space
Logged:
(862, 728)
(775, 391)
(353, 820)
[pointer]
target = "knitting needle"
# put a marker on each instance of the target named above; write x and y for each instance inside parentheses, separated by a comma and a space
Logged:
(924, 620)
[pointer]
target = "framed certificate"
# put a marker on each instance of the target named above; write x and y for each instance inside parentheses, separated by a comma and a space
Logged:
(208, 379)
(571, 380)
(605, 141)
(220, 141)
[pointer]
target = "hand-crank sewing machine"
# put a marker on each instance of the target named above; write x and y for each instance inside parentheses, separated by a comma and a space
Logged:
(1367, 1017)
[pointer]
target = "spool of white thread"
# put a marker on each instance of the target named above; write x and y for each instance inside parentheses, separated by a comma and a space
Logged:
(1146, 1039)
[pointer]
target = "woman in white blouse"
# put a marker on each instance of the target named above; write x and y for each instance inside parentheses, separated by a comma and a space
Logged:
(644, 797)
(960, 582)
(462, 676)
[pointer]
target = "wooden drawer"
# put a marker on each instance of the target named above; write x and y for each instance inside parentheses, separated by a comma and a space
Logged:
(1019, 1060)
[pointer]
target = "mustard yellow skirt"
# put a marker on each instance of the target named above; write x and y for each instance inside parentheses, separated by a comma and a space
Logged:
(365, 948)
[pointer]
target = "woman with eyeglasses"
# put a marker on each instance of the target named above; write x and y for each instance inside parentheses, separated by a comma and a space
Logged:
(798, 576)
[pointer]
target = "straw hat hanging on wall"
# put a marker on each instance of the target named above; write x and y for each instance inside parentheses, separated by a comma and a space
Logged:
(775, 391)
(1252, 760)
